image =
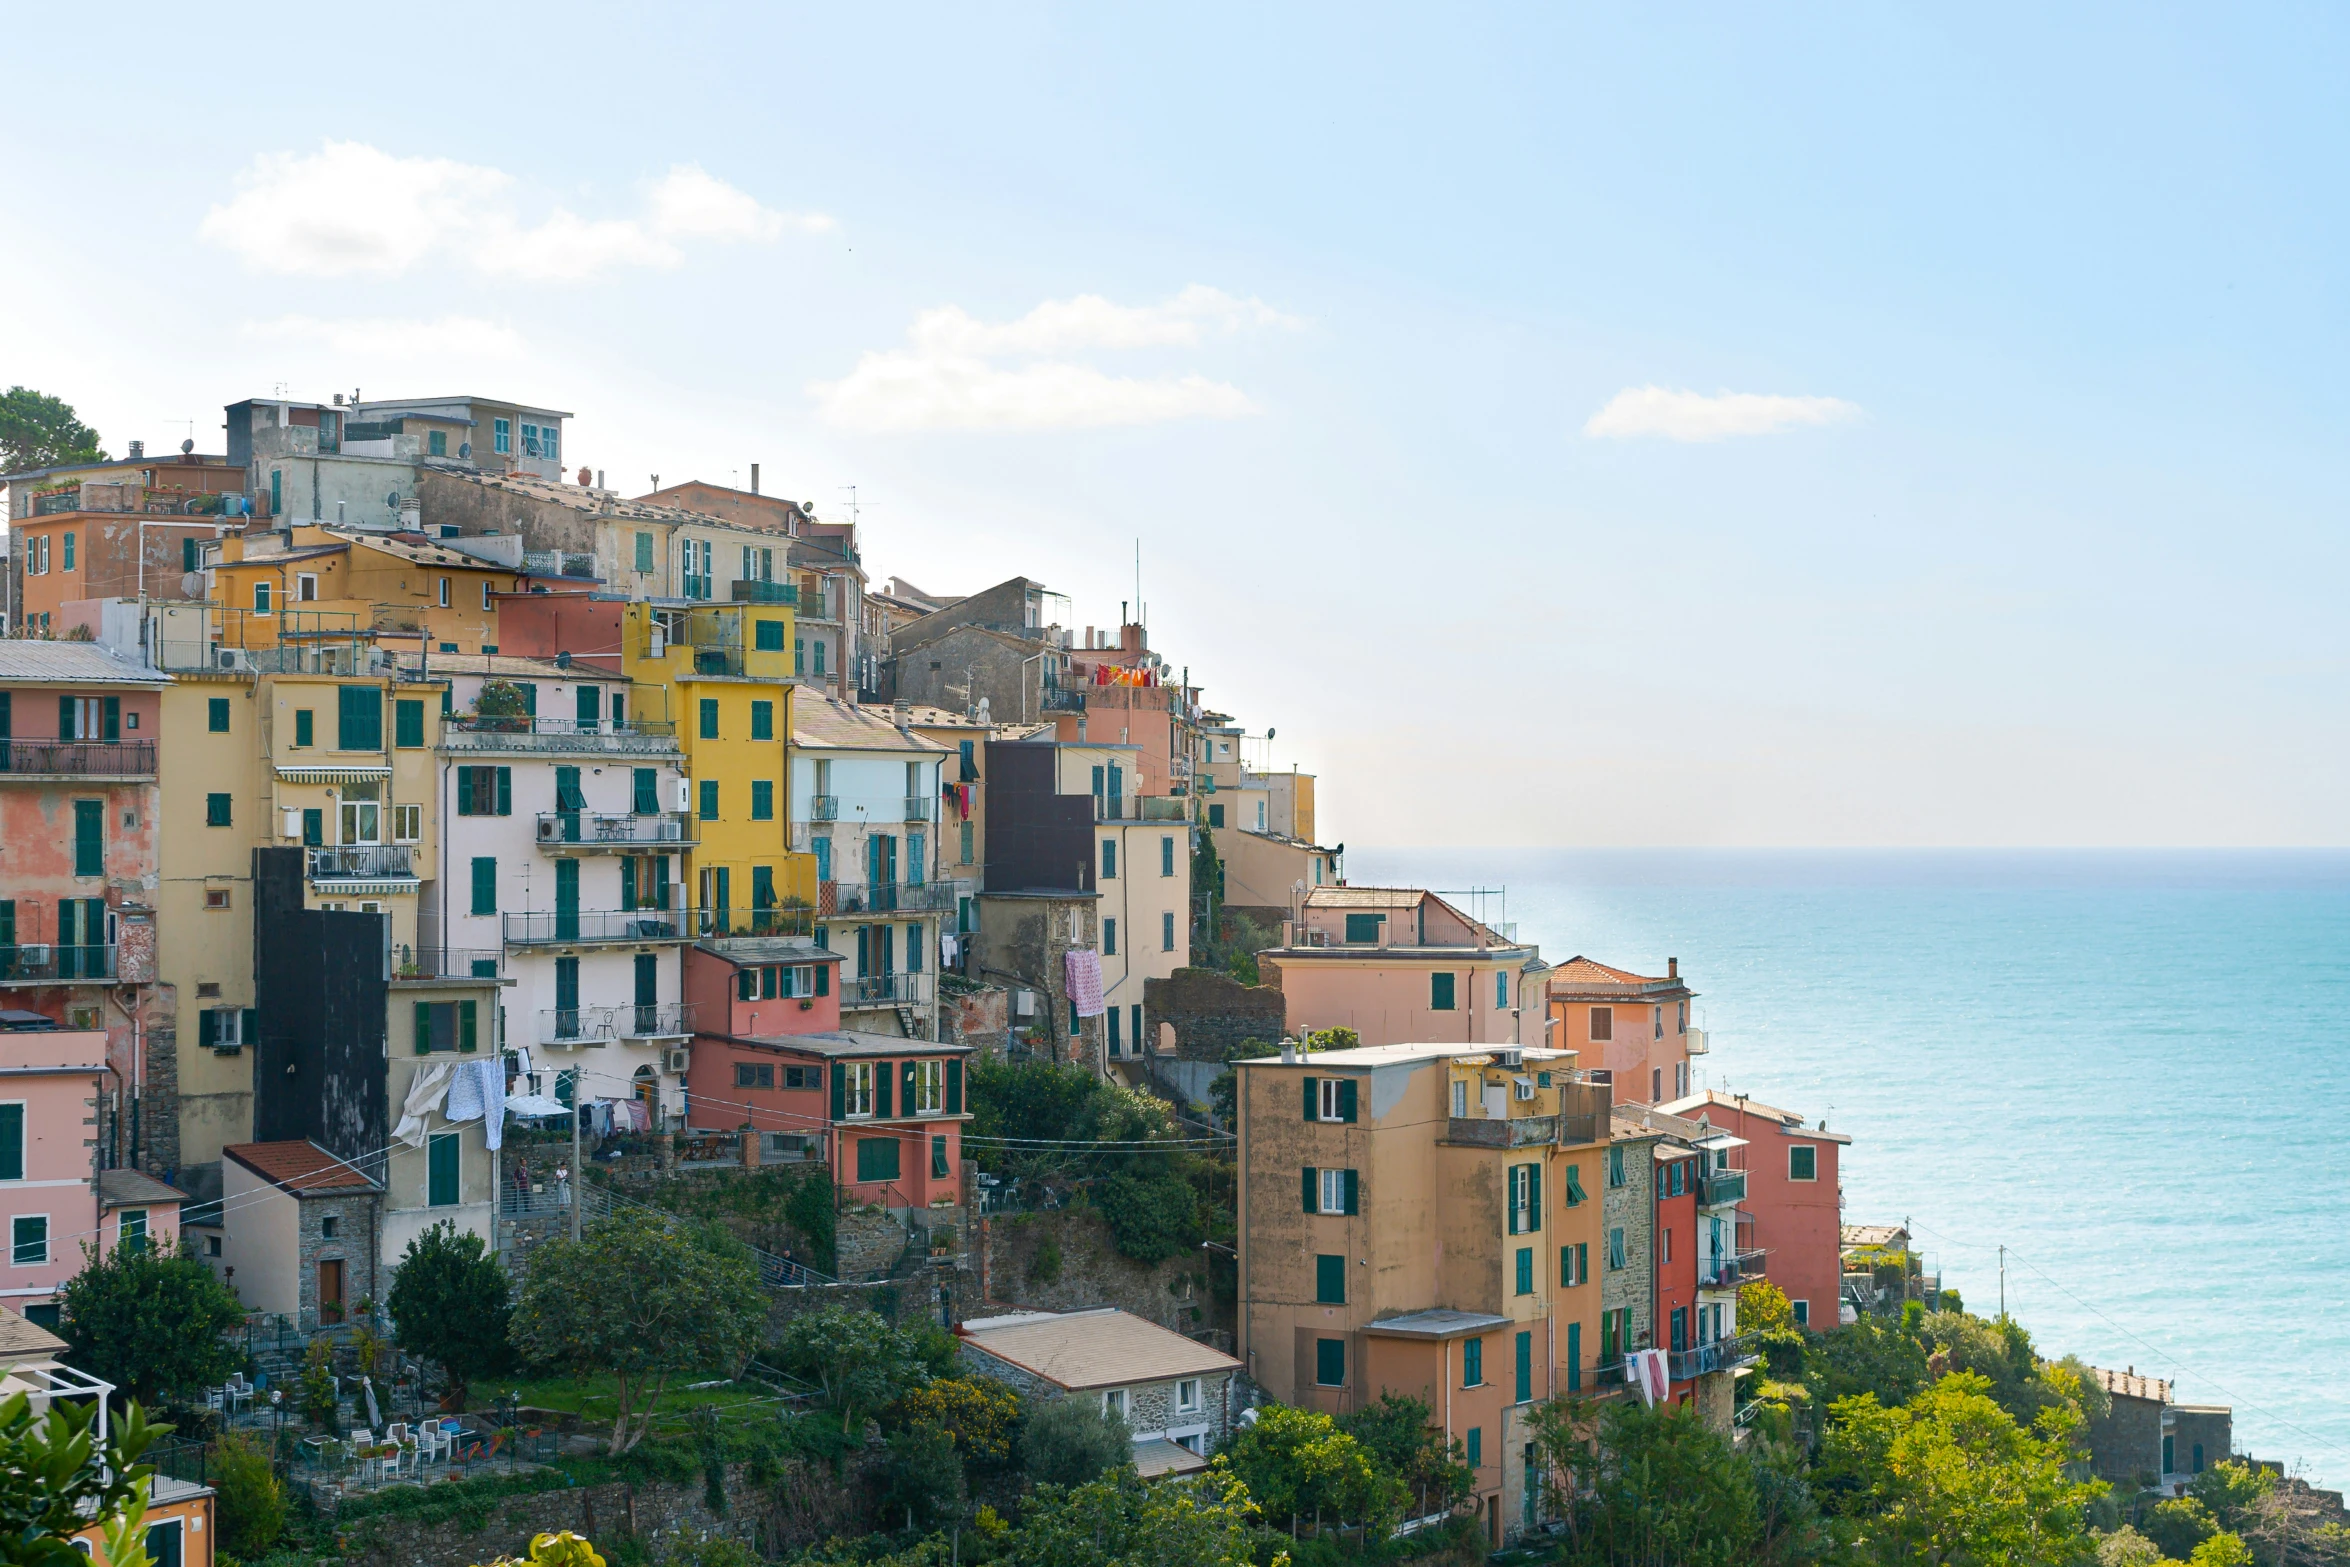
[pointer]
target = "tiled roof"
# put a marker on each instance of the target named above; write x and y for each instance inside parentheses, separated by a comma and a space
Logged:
(1159, 1456)
(70, 663)
(1582, 976)
(130, 1189)
(1715, 1099)
(2128, 1384)
(1583, 968)
(1874, 1235)
(828, 723)
(754, 951)
(847, 1042)
(298, 1166)
(1441, 1322)
(22, 1340)
(1104, 1347)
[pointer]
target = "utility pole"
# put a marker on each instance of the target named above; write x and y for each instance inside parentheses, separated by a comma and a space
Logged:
(2003, 1281)
(578, 1176)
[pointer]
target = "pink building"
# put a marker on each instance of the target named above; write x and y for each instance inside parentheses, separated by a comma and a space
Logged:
(1794, 1205)
(1399, 966)
(1634, 1027)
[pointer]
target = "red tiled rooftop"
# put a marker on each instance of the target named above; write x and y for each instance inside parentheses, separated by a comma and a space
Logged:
(298, 1166)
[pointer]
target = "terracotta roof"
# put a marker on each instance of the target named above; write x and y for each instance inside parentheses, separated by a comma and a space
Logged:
(1366, 897)
(1159, 1456)
(130, 1189)
(1874, 1235)
(22, 1339)
(828, 723)
(1580, 975)
(2128, 1384)
(1104, 1347)
(1715, 1099)
(299, 1166)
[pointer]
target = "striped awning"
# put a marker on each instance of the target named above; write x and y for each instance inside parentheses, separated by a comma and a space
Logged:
(330, 774)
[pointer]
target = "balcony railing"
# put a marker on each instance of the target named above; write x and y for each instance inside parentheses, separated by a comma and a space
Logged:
(919, 808)
(363, 862)
(793, 921)
(881, 990)
(553, 927)
(1730, 1269)
(37, 964)
(1723, 1354)
(1063, 699)
(660, 1021)
(576, 1026)
(529, 724)
(824, 807)
(750, 591)
(1718, 1187)
(448, 962)
(811, 606)
(28, 759)
(835, 898)
(602, 830)
(558, 563)
(717, 660)
(1525, 1131)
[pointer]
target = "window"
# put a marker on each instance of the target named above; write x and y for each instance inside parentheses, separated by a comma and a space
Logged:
(1525, 1270)
(877, 1158)
(816, 663)
(709, 711)
(644, 552)
(216, 715)
(485, 884)
(359, 718)
(1363, 929)
(1166, 856)
(1215, 816)
(485, 597)
(967, 842)
(938, 1158)
(1524, 1391)
(1501, 988)
(1167, 932)
(69, 549)
(1332, 1191)
(767, 636)
(216, 897)
(440, 1179)
(1603, 1023)
(530, 440)
(1615, 1166)
(859, 1094)
(929, 1086)
(1665, 1245)
(277, 492)
(1802, 1312)
(485, 791)
(1525, 1199)
(444, 590)
(1330, 1098)
(1109, 938)
(1472, 1362)
(436, 443)
(762, 720)
(408, 723)
(28, 1240)
(407, 823)
(709, 790)
(802, 1076)
(551, 443)
(130, 1229)
(1573, 1183)
(12, 1142)
(305, 727)
(1114, 1402)
(1460, 1097)
(1803, 1162)
(89, 840)
(753, 1075)
(1615, 1249)
(1187, 1396)
(1330, 1362)
(1440, 992)
(1109, 859)
(1574, 1265)
(1329, 1281)
(305, 587)
(502, 436)
(762, 800)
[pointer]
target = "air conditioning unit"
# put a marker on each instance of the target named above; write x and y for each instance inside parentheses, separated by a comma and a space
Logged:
(235, 660)
(1024, 1003)
(549, 830)
(1525, 1087)
(289, 823)
(1510, 1058)
(33, 956)
(674, 1061)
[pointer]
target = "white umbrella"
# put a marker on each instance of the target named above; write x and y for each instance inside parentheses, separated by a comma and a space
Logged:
(532, 1106)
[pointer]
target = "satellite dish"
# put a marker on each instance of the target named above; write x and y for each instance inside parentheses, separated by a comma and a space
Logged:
(192, 585)
(392, 499)
(188, 445)
(562, 660)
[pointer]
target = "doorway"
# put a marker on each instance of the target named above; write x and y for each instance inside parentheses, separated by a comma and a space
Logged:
(330, 1289)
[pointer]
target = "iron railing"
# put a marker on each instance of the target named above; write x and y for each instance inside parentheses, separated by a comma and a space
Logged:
(563, 927)
(824, 807)
(33, 963)
(754, 591)
(615, 830)
(1723, 1354)
(448, 962)
(362, 862)
(1063, 699)
(835, 898)
(1717, 1187)
(656, 1021)
(529, 724)
(77, 758)
(798, 920)
(881, 990)
(920, 808)
(576, 1025)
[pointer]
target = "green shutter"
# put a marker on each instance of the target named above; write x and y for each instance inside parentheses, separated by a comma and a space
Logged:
(408, 723)
(881, 1096)
(441, 1176)
(208, 1028)
(1525, 1368)
(1574, 1357)
(1583, 1261)
(1313, 1098)
(1574, 1185)
(65, 720)
(1566, 1267)
(906, 1086)
(424, 1028)
(251, 1031)
(628, 881)
(11, 1142)
(89, 837)
(1329, 1281)
(1346, 1099)
(645, 786)
(709, 713)
(505, 791)
(1330, 1362)
(466, 1014)
(1312, 1192)
(1534, 1199)
(840, 1090)
(1353, 1193)
(359, 718)
(485, 883)
(660, 882)
(1525, 1267)
(746, 984)
(1440, 992)
(313, 828)
(823, 974)
(114, 718)
(954, 1081)
(464, 791)
(216, 714)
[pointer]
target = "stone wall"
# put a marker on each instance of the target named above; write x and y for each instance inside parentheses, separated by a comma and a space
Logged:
(979, 1018)
(1174, 1294)
(1632, 1208)
(1212, 1013)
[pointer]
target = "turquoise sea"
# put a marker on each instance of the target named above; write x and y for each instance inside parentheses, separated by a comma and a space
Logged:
(2130, 1068)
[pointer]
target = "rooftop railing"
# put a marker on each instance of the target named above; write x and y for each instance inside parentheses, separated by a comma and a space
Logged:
(448, 962)
(751, 591)
(30, 759)
(558, 563)
(870, 990)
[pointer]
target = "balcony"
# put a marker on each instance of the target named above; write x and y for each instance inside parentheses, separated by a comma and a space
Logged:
(566, 1026)
(35, 761)
(591, 927)
(748, 591)
(1730, 1269)
(1525, 1131)
(363, 862)
(811, 606)
(448, 962)
(666, 1020)
(717, 660)
(639, 737)
(919, 808)
(1719, 1188)
(36, 964)
(591, 832)
(793, 921)
(1696, 1043)
(824, 807)
(1063, 699)
(1723, 1354)
(837, 898)
(881, 990)
(558, 563)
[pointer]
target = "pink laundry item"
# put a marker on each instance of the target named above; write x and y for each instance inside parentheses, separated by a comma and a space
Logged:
(1085, 981)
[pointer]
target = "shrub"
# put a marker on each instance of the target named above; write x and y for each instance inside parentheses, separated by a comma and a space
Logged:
(1073, 1440)
(251, 1497)
(1151, 1218)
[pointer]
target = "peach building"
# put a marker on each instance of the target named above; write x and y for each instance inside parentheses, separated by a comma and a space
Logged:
(1634, 1027)
(1426, 1219)
(1792, 1213)
(1398, 964)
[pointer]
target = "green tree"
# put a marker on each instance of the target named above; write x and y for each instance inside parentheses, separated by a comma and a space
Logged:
(2231, 1490)
(56, 1480)
(2126, 1547)
(40, 431)
(1661, 1486)
(252, 1499)
(1298, 1465)
(1122, 1521)
(642, 1303)
(925, 1478)
(1403, 1442)
(980, 1413)
(1070, 1441)
(2222, 1550)
(857, 1357)
(451, 1304)
(150, 1322)
(1950, 1477)
(1151, 1217)
(1868, 1357)
(1763, 1305)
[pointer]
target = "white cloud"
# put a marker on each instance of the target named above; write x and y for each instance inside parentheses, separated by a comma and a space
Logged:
(351, 209)
(1693, 416)
(385, 337)
(952, 377)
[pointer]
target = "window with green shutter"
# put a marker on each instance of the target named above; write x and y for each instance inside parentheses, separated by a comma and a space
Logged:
(468, 1021)
(1525, 1369)
(1440, 992)
(1363, 928)
(1615, 1166)
(1476, 1446)
(1329, 1281)
(485, 884)
(644, 552)
(314, 827)
(1330, 1362)
(1525, 1261)
(216, 714)
(305, 727)
(1615, 1248)
(441, 1156)
(1574, 1186)
(762, 800)
(877, 1158)
(408, 723)
(359, 718)
(11, 1142)
(709, 788)
(89, 837)
(644, 791)
(767, 635)
(216, 810)
(1312, 1187)
(709, 718)
(1574, 1357)
(1803, 1163)
(762, 720)
(954, 1079)
(1472, 1362)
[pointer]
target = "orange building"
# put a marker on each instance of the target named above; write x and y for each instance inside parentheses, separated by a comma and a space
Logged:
(1633, 1027)
(115, 530)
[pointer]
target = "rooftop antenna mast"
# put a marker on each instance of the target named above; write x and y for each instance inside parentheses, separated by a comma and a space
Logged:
(856, 507)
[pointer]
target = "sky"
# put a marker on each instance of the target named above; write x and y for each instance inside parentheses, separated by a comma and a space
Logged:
(1558, 426)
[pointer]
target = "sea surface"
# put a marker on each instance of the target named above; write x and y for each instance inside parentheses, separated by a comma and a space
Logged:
(2131, 1069)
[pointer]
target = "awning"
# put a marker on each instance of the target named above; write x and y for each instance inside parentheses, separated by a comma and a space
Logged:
(324, 774)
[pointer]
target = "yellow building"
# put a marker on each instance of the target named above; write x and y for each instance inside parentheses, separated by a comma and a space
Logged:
(278, 587)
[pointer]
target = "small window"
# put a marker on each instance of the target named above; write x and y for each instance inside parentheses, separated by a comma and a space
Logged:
(1166, 931)
(1460, 1097)
(305, 727)
(767, 636)
(1114, 1402)
(1187, 1396)
(762, 720)
(216, 897)
(1330, 1362)
(1802, 1312)
(436, 443)
(1615, 1166)
(1329, 1281)
(762, 800)
(260, 598)
(501, 436)
(1615, 1249)
(1440, 992)
(1109, 859)
(1363, 929)
(407, 823)
(329, 1228)
(1803, 1162)
(1525, 1279)
(1603, 1023)
(709, 714)
(216, 811)
(1472, 1362)
(28, 1240)
(305, 587)
(1166, 856)
(644, 552)
(1109, 938)
(709, 793)
(216, 714)
(748, 1074)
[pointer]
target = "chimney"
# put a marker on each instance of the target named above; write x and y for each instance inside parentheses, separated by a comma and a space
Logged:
(902, 713)
(599, 478)
(1289, 1052)
(754, 478)
(1672, 968)
(138, 450)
